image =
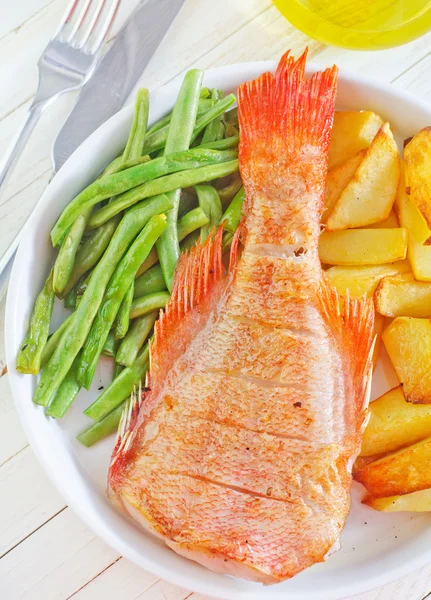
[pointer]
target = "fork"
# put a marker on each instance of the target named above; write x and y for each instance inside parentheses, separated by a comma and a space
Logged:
(65, 65)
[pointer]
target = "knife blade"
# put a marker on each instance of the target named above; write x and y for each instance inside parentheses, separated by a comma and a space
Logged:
(107, 90)
(116, 74)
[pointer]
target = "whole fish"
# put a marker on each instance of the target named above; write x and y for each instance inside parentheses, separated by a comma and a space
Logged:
(238, 453)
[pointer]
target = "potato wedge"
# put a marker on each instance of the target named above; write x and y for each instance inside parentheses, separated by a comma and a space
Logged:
(395, 423)
(418, 232)
(370, 194)
(403, 296)
(390, 223)
(352, 131)
(357, 281)
(363, 246)
(417, 158)
(408, 343)
(415, 502)
(401, 472)
(338, 178)
(379, 326)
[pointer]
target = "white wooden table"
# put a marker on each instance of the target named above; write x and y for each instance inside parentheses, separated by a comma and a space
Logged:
(45, 551)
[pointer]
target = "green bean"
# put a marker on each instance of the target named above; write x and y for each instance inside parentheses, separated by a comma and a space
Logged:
(120, 282)
(130, 346)
(135, 143)
(226, 144)
(209, 202)
(128, 179)
(146, 304)
(122, 319)
(91, 250)
(53, 340)
(150, 261)
(110, 345)
(188, 223)
(179, 137)
(157, 140)
(178, 164)
(119, 164)
(102, 428)
(80, 290)
(187, 202)
(72, 341)
(233, 213)
(191, 221)
(161, 186)
(215, 130)
(65, 261)
(120, 388)
(70, 298)
(190, 241)
(30, 352)
(228, 192)
(66, 393)
(149, 282)
(203, 105)
(117, 370)
(113, 167)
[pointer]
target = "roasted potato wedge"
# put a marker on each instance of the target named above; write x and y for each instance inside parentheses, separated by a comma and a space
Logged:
(417, 158)
(352, 131)
(357, 281)
(408, 343)
(401, 472)
(395, 423)
(418, 233)
(403, 296)
(363, 246)
(414, 502)
(390, 223)
(369, 195)
(379, 325)
(337, 179)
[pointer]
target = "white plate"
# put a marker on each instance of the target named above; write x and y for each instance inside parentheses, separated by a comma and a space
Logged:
(376, 548)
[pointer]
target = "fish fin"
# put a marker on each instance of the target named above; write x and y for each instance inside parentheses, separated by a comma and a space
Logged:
(351, 321)
(285, 122)
(283, 112)
(200, 280)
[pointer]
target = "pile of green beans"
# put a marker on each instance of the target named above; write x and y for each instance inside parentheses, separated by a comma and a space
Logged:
(118, 244)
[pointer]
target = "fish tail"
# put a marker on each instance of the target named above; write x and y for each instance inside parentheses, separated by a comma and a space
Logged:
(283, 113)
(285, 122)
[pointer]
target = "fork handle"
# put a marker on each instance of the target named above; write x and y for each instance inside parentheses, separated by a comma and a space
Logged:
(19, 142)
(6, 168)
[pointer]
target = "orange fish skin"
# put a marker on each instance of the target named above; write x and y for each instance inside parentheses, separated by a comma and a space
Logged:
(238, 454)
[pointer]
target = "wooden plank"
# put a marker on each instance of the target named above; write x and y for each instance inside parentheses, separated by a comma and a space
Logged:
(18, 13)
(28, 499)
(122, 580)
(54, 562)
(385, 65)
(417, 79)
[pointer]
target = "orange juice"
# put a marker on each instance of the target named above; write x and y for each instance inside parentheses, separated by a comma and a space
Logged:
(359, 24)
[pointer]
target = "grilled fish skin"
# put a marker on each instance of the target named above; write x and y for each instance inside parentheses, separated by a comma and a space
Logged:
(238, 454)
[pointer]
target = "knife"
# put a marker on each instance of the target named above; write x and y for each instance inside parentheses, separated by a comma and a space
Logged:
(107, 90)
(116, 75)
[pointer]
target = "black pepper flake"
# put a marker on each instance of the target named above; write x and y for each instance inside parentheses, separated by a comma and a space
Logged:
(100, 388)
(408, 190)
(297, 404)
(247, 448)
(146, 389)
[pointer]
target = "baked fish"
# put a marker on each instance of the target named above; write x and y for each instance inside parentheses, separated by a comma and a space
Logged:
(238, 452)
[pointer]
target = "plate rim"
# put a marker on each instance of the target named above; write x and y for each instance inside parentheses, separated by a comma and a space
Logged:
(97, 525)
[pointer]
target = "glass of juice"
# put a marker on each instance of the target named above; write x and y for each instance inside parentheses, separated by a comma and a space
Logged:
(359, 24)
